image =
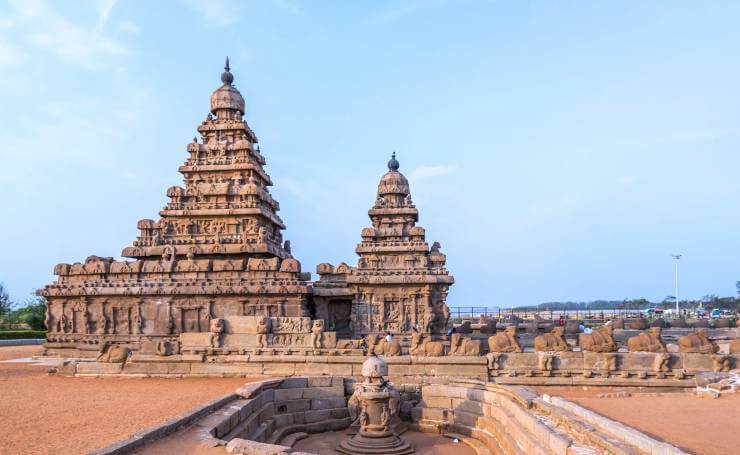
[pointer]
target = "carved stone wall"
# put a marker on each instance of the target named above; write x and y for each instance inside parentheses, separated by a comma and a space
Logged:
(400, 284)
(217, 250)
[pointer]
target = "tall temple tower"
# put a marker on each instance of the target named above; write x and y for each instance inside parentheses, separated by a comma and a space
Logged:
(216, 250)
(399, 284)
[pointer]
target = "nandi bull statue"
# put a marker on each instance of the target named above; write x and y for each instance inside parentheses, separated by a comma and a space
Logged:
(374, 405)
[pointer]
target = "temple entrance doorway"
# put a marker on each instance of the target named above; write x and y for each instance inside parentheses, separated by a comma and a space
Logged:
(339, 316)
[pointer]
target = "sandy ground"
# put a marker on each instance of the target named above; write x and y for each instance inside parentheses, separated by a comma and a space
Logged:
(44, 414)
(699, 425)
(424, 444)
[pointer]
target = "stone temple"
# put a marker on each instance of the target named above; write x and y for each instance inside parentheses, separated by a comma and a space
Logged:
(399, 283)
(211, 289)
(215, 263)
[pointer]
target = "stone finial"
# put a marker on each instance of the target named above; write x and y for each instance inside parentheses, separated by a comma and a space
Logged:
(374, 367)
(393, 164)
(226, 76)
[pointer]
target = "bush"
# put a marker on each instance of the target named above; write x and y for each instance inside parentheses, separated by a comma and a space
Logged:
(22, 334)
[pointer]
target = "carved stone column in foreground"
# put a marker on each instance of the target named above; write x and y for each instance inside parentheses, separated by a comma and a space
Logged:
(374, 405)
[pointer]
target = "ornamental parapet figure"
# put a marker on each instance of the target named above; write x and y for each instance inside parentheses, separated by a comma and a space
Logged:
(600, 340)
(553, 341)
(505, 341)
(697, 342)
(649, 341)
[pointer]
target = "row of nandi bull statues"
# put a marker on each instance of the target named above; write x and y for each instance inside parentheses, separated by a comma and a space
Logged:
(599, 340)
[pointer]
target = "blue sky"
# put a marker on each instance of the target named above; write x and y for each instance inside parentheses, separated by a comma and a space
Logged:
(557, 150)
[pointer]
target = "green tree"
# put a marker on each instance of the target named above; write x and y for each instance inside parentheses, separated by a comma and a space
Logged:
(6, 305)
(32, 313)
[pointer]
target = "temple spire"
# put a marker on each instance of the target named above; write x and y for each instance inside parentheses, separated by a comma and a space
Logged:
(226, 76)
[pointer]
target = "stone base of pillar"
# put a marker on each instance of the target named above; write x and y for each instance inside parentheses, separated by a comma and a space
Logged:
(369, 444)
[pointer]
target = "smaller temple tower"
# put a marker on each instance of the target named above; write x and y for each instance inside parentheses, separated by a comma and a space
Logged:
(400, 284)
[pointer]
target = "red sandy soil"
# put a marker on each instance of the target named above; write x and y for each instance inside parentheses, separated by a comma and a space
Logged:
(703, 426)
(44, 414)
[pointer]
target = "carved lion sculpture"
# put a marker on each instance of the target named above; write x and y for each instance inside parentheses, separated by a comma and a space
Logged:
(553, 341)
(380, 346)
(697, 342)
(647, 342)
(600, 340)
(505, 341)
(460, 345)
(422, 346)
(113, 354)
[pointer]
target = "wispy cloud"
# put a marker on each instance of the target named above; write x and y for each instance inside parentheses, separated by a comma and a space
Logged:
(34, 24)
(422, 172)
(104, 9)
(11, 55)
(129, 27)
(287, 6)
(218, 13)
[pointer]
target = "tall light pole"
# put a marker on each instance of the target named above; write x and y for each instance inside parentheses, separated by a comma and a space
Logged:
(677, 257)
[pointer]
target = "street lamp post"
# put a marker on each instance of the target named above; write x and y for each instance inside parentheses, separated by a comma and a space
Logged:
(677, 257)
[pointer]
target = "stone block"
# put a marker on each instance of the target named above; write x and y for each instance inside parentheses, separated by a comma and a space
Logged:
(178, 368)
(472, 407)
(558, 444)
(437, 402)
(696, 362)
(478, 371)
(296, 406)
(338, 413)
(313, 369)
(279, 369)
(229, 369)
(568, 361)
(317, 427)
(266, 413)
(98, 368)
(240, 340)
(328, 403)
(323, 392)
(293, 383)
(317, 415)
(320, 381)
(465, 418)
(288, 394)
(145, 368)
(195, 340)
(239, 446)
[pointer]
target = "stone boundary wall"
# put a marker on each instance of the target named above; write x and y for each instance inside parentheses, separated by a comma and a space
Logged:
(638, 369)
(260, 414)
(273, 409)
(617, 430)
(514, 420)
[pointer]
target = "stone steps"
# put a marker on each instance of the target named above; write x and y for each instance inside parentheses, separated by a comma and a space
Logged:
(292, 438)
(479, 447)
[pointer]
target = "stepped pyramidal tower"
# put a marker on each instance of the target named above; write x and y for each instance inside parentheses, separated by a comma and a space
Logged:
(400, 284)
(216, 250)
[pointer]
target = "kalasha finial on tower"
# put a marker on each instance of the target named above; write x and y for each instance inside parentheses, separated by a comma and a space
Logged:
(393, 163)
(226, 76)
